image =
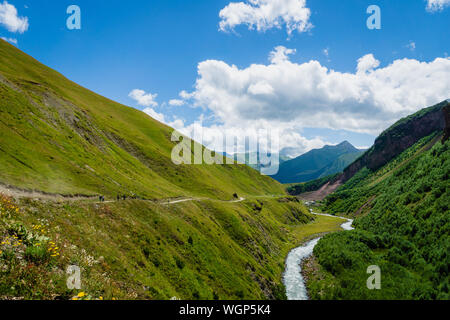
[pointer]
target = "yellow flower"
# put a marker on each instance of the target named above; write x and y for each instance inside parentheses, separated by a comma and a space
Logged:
(75, 298)
(81, 295)
(100, 298)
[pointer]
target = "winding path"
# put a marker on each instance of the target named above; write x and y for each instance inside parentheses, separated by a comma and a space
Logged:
(23, 193)
(293, 278)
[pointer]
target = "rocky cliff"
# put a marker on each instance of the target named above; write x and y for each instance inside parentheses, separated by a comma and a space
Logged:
(400, 137)
(446, 110)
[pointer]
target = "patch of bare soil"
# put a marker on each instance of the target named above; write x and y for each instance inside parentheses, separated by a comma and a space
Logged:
(365, 206)
(320, 194)
(23, 193)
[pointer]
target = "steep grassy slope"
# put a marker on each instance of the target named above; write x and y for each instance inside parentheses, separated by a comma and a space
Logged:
(58, 137)
(317, 163)
(402, 225)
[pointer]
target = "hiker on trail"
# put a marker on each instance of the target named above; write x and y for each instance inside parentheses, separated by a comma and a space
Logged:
(236, 196)
(124, 197)
(118, 198)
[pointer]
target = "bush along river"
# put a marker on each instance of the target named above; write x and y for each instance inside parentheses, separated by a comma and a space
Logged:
(292, 278)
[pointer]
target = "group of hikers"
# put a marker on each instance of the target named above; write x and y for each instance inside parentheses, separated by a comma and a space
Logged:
(119, 197)
(124, 197)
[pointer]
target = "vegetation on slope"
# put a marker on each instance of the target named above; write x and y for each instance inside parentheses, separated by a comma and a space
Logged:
(403, 223)
(399, 137)
(144, 250)
(58, 137)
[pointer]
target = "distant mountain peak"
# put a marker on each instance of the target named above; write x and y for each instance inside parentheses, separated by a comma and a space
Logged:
(345, 143)
(347, 146)
(317, 163)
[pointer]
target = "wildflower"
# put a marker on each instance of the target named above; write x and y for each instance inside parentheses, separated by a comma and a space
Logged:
(81, 295)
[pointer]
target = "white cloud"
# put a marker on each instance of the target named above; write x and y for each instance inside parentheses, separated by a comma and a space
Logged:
(326, 52)
(176, 102)
(267, 14)
(290, 96)
(260, 88)
(177, 124)
(143, 99)
(280, 54)
(155, 115)
(185, 95)
(367, 63)
(10, 40)
(437, 5)
(10, 19)
(212, 136)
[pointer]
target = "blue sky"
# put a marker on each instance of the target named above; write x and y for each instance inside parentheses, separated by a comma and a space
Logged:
(156, 46)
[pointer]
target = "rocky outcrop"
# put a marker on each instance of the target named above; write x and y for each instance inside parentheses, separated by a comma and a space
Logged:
(446, 111)
(400, 137)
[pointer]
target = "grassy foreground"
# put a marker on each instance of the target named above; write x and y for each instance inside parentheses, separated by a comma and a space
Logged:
(144, 250)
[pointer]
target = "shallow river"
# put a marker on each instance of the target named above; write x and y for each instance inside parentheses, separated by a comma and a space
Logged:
(292, 278)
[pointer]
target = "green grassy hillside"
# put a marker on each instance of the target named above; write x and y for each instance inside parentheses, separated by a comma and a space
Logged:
(402, 219)
(58, 137)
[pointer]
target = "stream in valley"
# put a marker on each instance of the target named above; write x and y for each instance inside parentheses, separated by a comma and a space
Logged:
(292, 278)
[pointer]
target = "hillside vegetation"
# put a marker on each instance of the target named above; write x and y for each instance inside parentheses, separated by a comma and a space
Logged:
(58, 137)
(402, 225)
(144, 250)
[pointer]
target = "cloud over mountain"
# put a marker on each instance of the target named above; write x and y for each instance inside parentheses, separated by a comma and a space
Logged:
(143, 98)
(286, 93)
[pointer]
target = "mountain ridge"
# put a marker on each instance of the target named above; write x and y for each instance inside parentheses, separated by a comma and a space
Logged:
(392, 142)
(399, 137)
(317, 163)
